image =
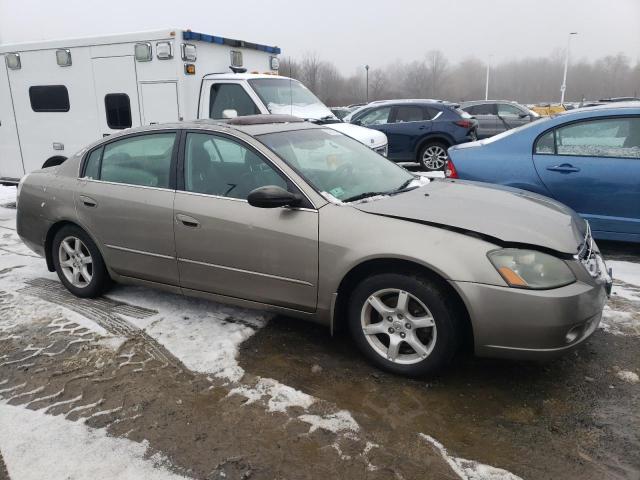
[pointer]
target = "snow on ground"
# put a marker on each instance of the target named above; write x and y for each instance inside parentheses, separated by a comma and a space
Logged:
(341, 421)
(628, 272)
(280, 396)
(627, 376)
(204, 335)
(469, 469)
(36, 445)
(620, 322)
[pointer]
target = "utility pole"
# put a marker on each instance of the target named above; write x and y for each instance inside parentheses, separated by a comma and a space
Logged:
(486, 84)
(563, 87)
(366, 67)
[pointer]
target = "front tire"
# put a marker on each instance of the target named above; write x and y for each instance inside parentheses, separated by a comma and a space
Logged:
(404, 324)
(433, 156)
(78, 263)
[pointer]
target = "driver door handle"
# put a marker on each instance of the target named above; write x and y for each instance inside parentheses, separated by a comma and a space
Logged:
(187, 221)
(564, 168)
(88, 201)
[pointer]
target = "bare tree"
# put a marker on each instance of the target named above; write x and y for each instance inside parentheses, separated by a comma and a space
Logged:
(528, 80)
(377, 84)
(436, 69)
(310, 70)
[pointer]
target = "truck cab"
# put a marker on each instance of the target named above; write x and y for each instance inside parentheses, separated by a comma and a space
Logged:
(57, 96)
(224, 96)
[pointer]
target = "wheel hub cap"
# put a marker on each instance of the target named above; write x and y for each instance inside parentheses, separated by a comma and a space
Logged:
(398, 326)
(76, 262)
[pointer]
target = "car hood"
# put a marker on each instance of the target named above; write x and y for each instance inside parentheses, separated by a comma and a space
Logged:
(371, 138)
(506, 215)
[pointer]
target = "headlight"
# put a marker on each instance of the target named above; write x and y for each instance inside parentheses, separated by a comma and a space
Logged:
(531, 269)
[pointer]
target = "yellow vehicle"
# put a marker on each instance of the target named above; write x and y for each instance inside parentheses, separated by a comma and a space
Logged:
(547, 109)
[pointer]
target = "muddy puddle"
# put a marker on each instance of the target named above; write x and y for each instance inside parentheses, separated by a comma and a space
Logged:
(571, 419)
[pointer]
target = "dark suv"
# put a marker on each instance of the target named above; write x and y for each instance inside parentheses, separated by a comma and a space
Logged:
(418, 130)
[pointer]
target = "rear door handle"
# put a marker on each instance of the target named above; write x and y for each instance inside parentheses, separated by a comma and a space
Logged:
(187, 221)
(564, 168)
(88, 201)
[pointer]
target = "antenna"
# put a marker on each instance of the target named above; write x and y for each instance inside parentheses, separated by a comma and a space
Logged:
(290, 89)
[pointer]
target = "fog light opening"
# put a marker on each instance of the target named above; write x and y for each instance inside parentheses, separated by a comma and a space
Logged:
(573, 334)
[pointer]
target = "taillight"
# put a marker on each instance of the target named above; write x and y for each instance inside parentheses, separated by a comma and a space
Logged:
(464, 123)
(450, 170)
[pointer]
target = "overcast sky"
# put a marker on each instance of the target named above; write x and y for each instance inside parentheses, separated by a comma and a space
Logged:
(352, 33)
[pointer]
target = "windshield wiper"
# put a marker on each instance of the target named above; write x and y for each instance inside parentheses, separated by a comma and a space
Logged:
(403, 188)
(360, 196)
(324, 120)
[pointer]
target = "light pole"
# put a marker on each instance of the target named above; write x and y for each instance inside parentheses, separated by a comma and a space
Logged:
(563, 87)
(486, 85)
(366, 67)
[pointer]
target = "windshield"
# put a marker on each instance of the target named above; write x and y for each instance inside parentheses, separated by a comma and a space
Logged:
(284, 95)
(336, 165)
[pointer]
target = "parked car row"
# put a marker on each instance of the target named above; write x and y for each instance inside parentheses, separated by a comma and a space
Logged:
(421, 130)
(417, 130)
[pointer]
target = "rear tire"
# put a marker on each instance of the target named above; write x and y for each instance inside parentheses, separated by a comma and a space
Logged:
(433, 156)
(78, 263)
(404, 324)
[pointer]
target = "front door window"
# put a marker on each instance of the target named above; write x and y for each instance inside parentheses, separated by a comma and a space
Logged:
(219, 166)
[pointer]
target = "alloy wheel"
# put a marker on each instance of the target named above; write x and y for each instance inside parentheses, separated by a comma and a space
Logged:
(398, 326)
(434, 157)
(76, 262)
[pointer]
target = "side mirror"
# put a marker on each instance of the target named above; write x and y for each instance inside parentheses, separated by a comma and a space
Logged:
(272, 196)
(230, 113)
(357, 122)
(524, 115)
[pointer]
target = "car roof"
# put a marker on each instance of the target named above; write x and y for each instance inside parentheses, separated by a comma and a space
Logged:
(480, 102)
(419, 101)
(259, 126)
(624, 106)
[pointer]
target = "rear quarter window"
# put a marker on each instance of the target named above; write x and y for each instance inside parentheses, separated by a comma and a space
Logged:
(461, 112)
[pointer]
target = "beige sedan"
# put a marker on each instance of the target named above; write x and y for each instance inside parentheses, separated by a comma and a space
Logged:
(275, 213)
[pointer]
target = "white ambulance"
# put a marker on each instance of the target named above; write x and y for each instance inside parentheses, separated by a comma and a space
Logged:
(57, 96)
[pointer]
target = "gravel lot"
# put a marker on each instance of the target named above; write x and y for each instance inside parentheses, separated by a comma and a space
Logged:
(142, 384)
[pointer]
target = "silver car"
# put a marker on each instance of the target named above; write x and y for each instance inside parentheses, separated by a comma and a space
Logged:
(275, 213)
(497, 116)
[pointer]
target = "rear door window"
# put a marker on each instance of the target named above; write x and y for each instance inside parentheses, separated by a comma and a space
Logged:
(143, 160)
(482, 109)
(507, 110)
(611, 137)
(230, 96)
(408, 113)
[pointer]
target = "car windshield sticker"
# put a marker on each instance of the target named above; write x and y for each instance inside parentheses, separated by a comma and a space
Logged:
(337, 192)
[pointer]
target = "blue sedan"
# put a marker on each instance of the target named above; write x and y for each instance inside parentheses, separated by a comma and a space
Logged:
(588, 159)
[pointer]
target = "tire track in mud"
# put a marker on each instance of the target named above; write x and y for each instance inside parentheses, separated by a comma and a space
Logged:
(142, 392)
(105, 312)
